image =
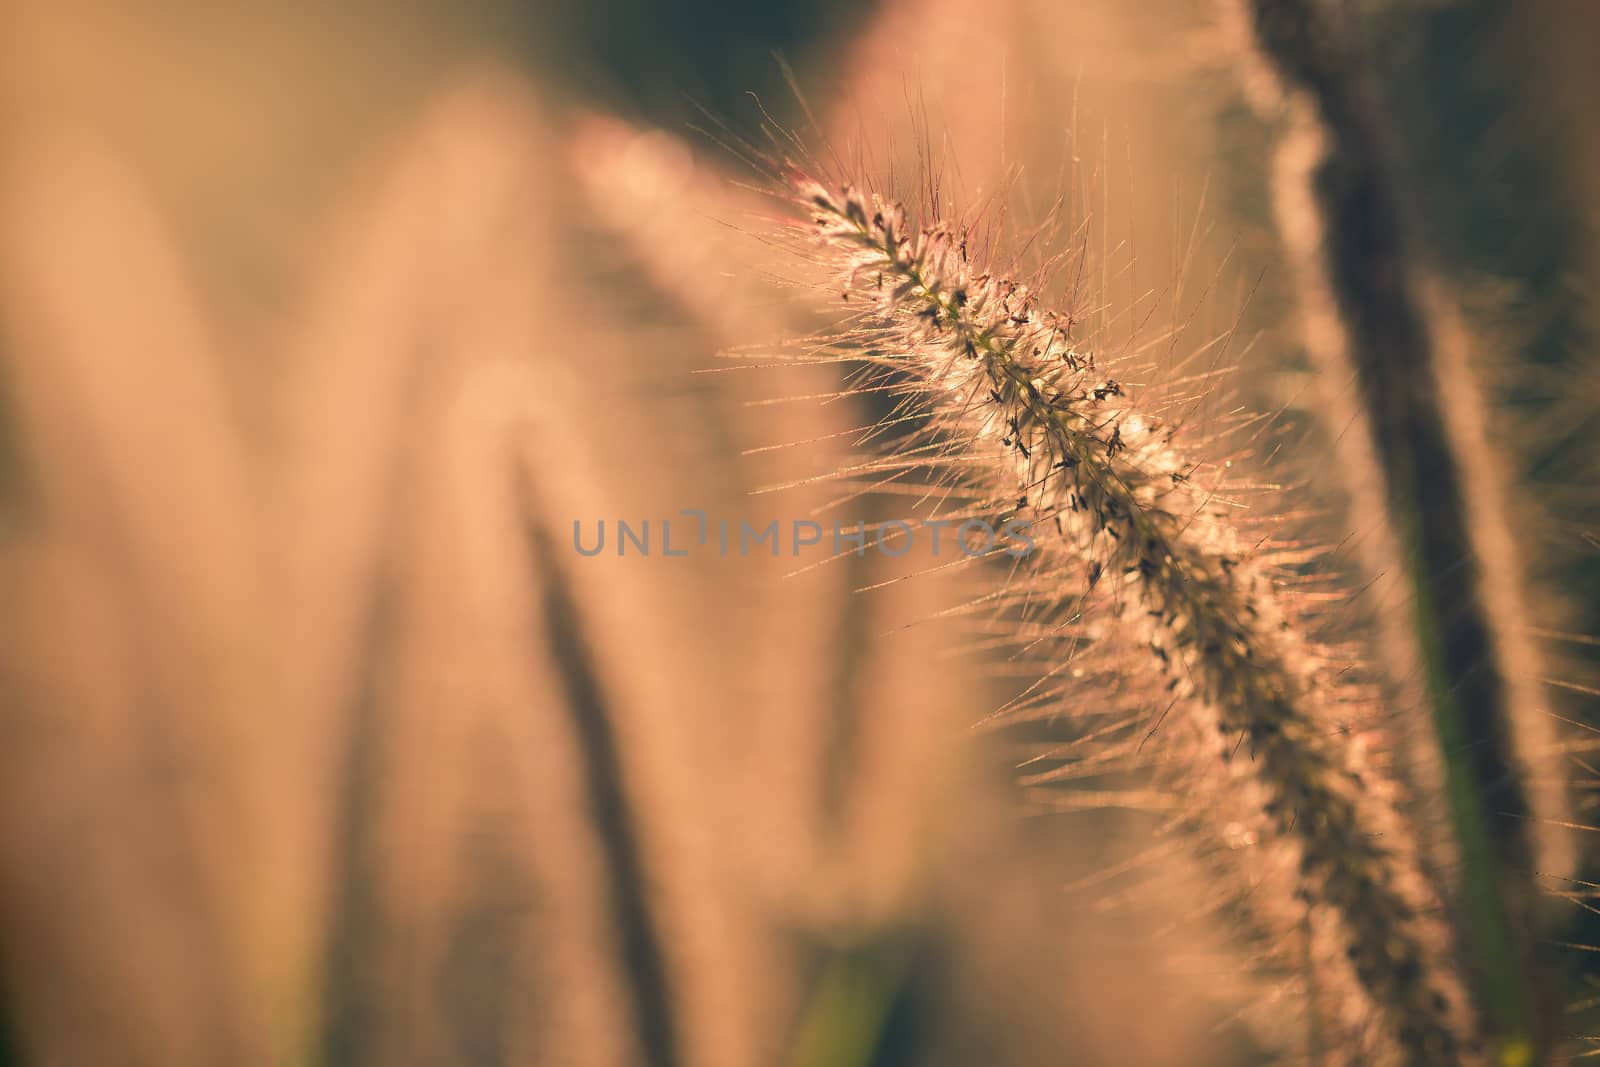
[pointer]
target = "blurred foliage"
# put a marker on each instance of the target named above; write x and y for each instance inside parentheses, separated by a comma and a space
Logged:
(1499, 196)
(660, 61)
(1493, 138)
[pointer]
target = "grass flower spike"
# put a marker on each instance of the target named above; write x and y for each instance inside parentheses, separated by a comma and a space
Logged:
(1254, 714)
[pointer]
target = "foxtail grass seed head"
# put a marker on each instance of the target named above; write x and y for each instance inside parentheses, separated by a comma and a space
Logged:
(1256, 714)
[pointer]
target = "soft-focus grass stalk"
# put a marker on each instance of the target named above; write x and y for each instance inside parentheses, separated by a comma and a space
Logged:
(1344, 222)
(1254, 714)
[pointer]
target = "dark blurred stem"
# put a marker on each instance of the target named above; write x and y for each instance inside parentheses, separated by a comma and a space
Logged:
(1392, 351)
(609, 806)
